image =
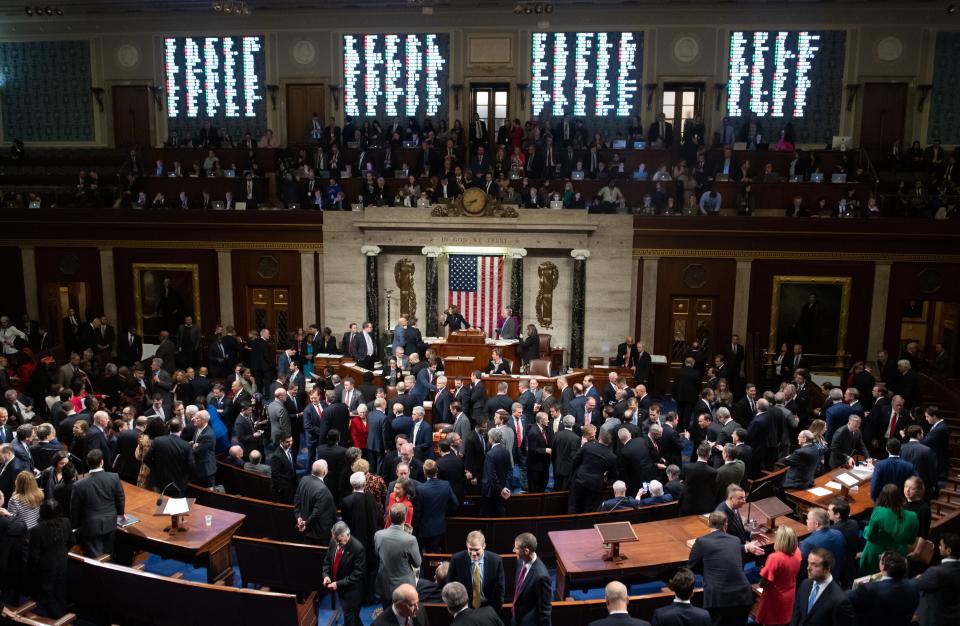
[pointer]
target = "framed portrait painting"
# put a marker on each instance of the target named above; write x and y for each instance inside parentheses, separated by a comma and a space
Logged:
(812, 311)
(163, 294)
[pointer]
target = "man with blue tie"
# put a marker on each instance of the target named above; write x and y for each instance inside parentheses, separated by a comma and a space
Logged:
(819, 599)
(480, 571)
(892, 469)
(422, 436)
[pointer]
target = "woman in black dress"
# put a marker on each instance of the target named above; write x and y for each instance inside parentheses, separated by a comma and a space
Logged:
(47, 561)
(530, 346)
(454, 320)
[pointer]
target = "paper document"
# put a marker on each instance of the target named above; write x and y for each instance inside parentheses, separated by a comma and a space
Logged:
(176, 506)
(833, 485)
(848, 479)
(820, 492)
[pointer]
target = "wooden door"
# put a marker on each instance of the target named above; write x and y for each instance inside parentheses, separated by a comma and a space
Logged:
(57, 298)
(131, 116)
(269, 308)
(303, 101)
(492, 103)
(691, 319)
(681, 103)
(884, 115)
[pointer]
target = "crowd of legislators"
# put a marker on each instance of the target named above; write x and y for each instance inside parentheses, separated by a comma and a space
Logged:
(162, 421)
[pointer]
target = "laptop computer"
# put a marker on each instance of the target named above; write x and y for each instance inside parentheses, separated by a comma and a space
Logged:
(816, 177)
(34, 204)
(217, 205)
(409, 144)
(619, 144)
(796, 178)
(241, 206)
(423, 203)
(639, 145)
(229, 173)
(356, 206)
(556, 204)
(399, 174)
(578, 175)
(838, 178)
(323, 173)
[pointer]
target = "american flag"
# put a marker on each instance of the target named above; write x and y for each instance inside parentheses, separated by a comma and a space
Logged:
(476, 283)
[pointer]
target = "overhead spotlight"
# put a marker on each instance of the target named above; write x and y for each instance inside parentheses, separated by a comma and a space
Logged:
(48, 11)
(528, 10)
(28, 10)
(548, 8)
(38, 11)
(538, 8)
(58, 11)
(951, 9)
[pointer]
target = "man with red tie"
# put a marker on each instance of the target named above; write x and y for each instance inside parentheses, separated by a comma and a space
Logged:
(343, 572)
(532, 595)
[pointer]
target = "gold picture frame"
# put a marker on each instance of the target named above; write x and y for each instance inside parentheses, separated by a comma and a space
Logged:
(791, 324)
(147, 282)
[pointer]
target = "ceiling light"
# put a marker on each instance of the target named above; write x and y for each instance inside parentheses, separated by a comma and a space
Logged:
(28, 10)
(528, 9)
(538, 8)
(58, 11)
(38, 11)
(49, 11)
(548, 8)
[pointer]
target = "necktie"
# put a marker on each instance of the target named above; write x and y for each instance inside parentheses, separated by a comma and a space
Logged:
(813, 596)
(893, 425)
(519, 428)
(796, 361)
(518, 587)
(416, 428)
(475, 603)
(586, 418)
(289, 456)
(336, 562)
(544, 433)
(346, 399)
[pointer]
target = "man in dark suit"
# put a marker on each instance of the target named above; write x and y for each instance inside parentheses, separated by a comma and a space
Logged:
(450, 468)
(442, 400)
(626, 353)
(699, 481)
(592, 463)
(314, 507)
(908, 384)
(125, 462)
(478, 563)
(478, 397)
(533, 591)
(923, 459)
(335, 416)
(435, 501)
(261, 361)
(96, 503)
(565, 446)
(344, 571)
(496, 474)
(454, 595)
(643, 374)
(681, 612)
(846, 442)
(719, 557)
(283, 470)
(474, 453)
(335, 456)
(819, 599)
(499, 402)
(733, 355)
(170, 460)
(637, 460)
(404, 610)
(686, 389)
(940, 586)
(350, 342)
(938, 440)
(204, 450)
(802, 463)
(892, 469)
(97, 438)
(539, 441)
(617, 599)
(661, 131)
(892, 600)
(132, 349)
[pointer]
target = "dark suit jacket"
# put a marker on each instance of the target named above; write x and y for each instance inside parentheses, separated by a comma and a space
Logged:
(591, 463)
(644, 368)
(435, 501)
(125, 462)
(832, 607)
(484, 616)
(387, 618)
(450, 468)
(478, 399)
(719, 557)
(845, 443)
(493, 586)
(441, 406)
(938, 440)
(95, 503)
(170, 460)
(681, 614)
(924, 460)
(890, 470)
(686, 387)
(889, 602)
(335, 457)
(803, 465)
(533, 601)
(940, 603)
(474, 454)
(699, 481)
(205, 462)
(496, 470)
(637, 463)
(314, 504)
(351, 571)
(283, 475)
(96, 440)
(619, 619)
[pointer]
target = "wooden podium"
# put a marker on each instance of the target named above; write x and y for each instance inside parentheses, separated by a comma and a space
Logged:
(766, 512)
(472, 343)
(612, 535)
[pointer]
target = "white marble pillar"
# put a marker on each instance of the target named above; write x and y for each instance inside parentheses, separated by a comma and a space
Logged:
(308, 287)
(225, 279)
(741, 297)
(108, 279)
(648, 312)
(878, 306)
(28, 258)
(634, 293)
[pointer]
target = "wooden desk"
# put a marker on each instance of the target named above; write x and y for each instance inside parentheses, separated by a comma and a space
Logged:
(662, 547)
(861, 504)
(474, 345)
(199, 545)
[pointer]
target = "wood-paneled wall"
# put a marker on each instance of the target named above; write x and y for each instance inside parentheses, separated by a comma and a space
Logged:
(14, 299)
(916, 281)
(248, 266)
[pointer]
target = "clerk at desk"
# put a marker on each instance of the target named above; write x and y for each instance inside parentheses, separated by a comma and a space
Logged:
(498, 365)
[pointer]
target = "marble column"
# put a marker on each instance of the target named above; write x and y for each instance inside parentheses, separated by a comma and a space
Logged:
(308, 286)
(373, 287)
(516, 282)
(28, 258)
(579, 309)
(878, 306)
(634, 295)
(648, 313)
(741, 297)
(225, 278)
(109, 282)
(433, 314)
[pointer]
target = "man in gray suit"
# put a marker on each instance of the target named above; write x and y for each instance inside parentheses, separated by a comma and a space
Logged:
(398, 553)
(95, 504)
(160, 381)
(167, 352)
(279, 418)
(204, 450)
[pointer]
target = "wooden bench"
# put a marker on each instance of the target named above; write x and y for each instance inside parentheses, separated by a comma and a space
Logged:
(24, 614)
(240, 482)
(579, 611)
(501, 531)
(528, 504)
(263, 518)
(137, 598)
(279, 565)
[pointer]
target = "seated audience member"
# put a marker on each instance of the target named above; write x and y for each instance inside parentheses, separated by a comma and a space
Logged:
(657, 495)
(620, 499)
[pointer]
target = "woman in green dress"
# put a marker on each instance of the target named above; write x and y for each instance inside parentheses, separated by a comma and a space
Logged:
(891, 527)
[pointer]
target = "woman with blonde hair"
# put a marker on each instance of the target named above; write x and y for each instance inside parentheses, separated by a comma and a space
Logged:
(779, 579)
(24, 505)
(373, 484)
(818, 428)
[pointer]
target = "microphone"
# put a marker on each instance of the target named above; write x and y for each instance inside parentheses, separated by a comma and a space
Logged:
(163, 491)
